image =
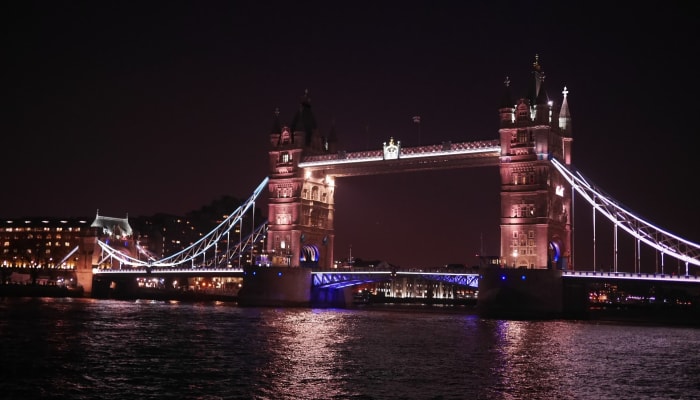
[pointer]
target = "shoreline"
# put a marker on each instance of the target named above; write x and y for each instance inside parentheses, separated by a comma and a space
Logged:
(627, 314)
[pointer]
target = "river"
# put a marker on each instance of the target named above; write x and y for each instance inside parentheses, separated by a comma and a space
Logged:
(81, 348)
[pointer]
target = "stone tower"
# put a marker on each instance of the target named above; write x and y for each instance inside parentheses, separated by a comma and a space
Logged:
(535, 199)
(301, 205)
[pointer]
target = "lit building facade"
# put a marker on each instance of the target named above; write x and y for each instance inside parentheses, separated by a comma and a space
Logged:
(535, 200)
(41, 242)
(301, 206)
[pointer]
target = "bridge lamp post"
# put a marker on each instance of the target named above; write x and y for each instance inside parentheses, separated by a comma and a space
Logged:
(515, 257)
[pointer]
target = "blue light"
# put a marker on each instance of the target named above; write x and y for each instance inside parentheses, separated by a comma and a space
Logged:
(279, 274)
(522, 277)
(503, 277)
(253, 272)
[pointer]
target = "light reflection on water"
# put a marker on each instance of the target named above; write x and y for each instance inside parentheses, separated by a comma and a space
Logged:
(85, 349)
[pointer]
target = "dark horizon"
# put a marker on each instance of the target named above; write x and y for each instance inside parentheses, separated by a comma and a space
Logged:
(161, 107)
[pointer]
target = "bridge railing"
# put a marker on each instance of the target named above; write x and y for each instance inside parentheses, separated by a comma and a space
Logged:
(167, 270)
(632, 276)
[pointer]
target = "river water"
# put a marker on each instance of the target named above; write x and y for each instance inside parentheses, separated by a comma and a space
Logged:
(76, 348)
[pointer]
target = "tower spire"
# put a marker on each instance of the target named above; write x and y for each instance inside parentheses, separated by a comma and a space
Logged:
(564, 115)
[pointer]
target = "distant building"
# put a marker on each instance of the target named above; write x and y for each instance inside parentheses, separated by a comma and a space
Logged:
(53, 242)
(46, 242)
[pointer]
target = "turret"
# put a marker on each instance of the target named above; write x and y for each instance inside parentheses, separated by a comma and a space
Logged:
(564, 115)
(276, 131)
(304, 125)
(507, 109)
(542, 106)
(565, 127)
(535, 83)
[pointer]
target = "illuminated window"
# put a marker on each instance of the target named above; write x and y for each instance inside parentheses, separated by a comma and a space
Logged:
(522, 136)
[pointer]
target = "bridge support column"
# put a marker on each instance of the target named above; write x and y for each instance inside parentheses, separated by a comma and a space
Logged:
(275, 287)
(83, 268)
(518, 293)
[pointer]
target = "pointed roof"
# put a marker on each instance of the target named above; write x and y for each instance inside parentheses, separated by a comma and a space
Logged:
(112, 226)
(564, 115)
(304, 120)
(537, 77)
(542, 98)
(276, 124)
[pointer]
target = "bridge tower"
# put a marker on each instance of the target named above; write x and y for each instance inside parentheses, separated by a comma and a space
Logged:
(114, 231)
(301, 203)
(535, 200)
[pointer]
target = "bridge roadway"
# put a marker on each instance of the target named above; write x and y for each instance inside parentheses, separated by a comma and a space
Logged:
(330, 278)
(340, 278)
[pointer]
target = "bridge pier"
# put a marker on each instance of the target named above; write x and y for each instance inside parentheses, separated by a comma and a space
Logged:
(88, 250)
(519, 293)
(275, 287)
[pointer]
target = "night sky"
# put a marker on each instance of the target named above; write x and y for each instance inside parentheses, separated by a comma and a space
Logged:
(135, 108)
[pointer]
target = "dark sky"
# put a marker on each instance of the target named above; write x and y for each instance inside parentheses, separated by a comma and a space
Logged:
(145, 107)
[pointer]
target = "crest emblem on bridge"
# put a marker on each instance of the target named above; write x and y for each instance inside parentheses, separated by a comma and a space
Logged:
(392, 150)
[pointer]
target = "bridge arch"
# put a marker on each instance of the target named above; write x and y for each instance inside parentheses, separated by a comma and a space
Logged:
(310, 256)
(555, 254)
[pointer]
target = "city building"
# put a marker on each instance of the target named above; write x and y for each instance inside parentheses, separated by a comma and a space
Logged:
(41, 242)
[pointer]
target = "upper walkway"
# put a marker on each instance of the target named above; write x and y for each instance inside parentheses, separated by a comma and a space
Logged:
(440, 156)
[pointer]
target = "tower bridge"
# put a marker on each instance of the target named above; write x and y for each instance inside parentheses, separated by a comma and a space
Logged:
(533, 152)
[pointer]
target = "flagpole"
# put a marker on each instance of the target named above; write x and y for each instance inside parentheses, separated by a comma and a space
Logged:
(416, 120)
